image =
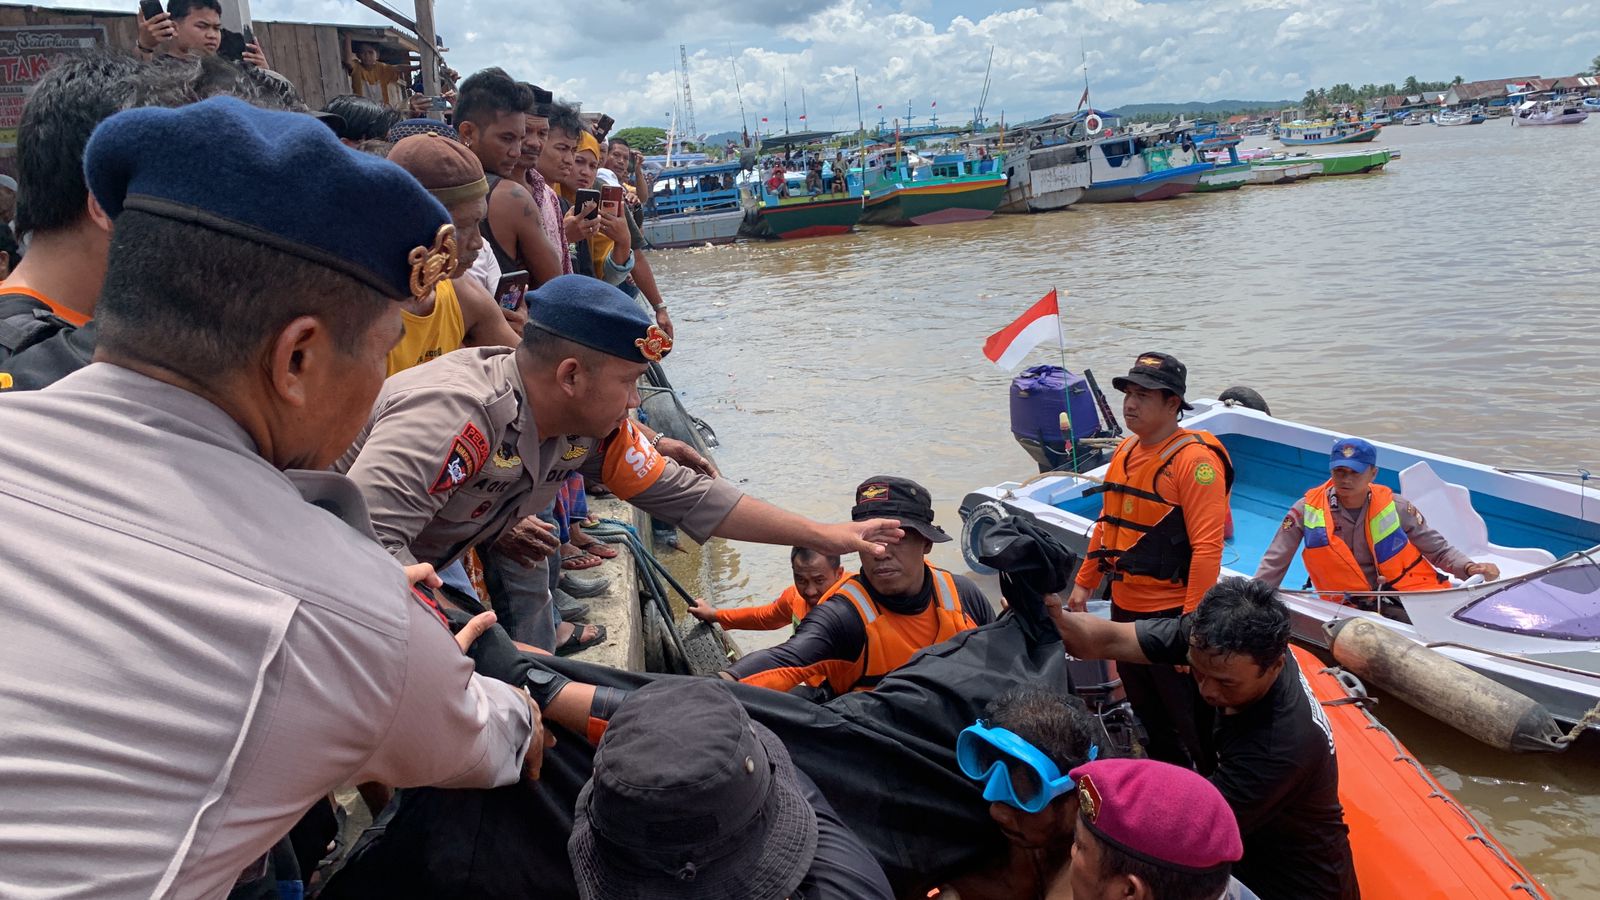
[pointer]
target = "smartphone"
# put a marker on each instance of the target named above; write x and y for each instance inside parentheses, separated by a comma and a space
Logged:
(511, 288)
(438, 103)
(150, 9)
(611, 199)
(605, 123)
(588, 195)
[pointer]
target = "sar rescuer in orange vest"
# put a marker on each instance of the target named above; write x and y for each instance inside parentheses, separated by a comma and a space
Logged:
(1361, 536)
(1158, 546)
(815, 577)
(872, 623)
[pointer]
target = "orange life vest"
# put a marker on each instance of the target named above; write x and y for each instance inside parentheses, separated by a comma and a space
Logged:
(1333, 566)
(1143, 540)
(892, 638)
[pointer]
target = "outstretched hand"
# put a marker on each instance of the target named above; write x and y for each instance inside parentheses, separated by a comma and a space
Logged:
(869, 536)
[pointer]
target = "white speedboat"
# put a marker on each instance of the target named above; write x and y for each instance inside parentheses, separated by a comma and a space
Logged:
(1537, 630)
(1547, 112)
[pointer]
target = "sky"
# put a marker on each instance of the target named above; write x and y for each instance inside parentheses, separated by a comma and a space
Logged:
(621, 56)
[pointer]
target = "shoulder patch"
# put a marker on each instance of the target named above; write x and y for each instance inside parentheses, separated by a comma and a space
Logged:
(1205, 473)
(468, 452)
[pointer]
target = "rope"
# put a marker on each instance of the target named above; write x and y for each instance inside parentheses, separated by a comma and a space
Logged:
(1592, 717)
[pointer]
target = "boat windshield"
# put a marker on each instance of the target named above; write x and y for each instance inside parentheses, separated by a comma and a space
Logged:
(1563, 604)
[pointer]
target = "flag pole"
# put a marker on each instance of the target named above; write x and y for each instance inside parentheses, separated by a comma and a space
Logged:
(1066, 385)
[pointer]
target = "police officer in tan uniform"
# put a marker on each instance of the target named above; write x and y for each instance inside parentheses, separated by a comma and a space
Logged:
(202, 636)
(458, 453)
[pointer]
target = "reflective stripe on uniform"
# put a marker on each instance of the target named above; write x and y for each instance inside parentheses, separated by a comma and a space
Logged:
(859, 597)
(1387, 538)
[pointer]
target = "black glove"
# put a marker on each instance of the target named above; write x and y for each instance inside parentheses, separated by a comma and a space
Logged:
(1032, 563)
(494, 655)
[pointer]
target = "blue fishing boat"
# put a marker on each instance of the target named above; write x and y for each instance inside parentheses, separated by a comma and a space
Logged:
(1126, 167)
(1537, 630)
(691, 206)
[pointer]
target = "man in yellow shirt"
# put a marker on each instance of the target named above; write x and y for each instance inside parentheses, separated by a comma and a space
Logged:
(373, 79)
(457, 313)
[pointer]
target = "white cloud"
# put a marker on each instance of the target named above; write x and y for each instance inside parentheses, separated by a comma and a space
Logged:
(621, 56)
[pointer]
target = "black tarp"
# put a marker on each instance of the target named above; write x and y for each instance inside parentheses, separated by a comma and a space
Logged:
(885, 760)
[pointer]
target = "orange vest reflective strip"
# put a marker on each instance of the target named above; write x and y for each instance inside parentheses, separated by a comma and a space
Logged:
(1333, 567)
(892, 638)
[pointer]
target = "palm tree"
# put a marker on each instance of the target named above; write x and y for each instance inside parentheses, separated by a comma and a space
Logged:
(1412, 85)
(1594, 66)
(1456, 80)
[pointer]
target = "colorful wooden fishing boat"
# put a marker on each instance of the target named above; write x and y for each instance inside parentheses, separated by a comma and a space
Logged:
(691, 206)
(949, 189)
(1052, 175)
(795, 214)
(1353, 162)
(1228, 171)
(1326, 131)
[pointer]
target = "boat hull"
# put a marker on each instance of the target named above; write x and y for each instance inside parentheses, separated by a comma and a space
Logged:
(799, 218)
(1354, 163)
(1043, 180)
(1224, 178)
(1155, 186)
(693, 230)
(1442, 850)
(1269, 173)
(935, 203)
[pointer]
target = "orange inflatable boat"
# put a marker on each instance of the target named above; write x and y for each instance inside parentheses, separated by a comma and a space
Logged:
(1410, 838)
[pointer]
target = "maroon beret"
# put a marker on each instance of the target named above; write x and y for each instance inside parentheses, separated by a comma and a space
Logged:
(1160, 813)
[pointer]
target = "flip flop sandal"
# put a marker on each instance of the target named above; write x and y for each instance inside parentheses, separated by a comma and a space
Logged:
(578, 561)
(575, 644)
(598, 548)
(590, 522)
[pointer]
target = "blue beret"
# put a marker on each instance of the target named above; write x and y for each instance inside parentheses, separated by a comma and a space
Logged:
(276, 178)
(590, 312)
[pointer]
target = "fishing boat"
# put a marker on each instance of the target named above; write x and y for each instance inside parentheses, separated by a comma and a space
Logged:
(1537, 631)
(1351, 162)
(1228, 171)
(1448, 118)
(1547, 112)
(949, 188)
(1326, 131)
(1413, 119)
(691, 206)
(1044, 173)
(1408, 836)
(1125, 167)
(795, 214)
(1591, 103)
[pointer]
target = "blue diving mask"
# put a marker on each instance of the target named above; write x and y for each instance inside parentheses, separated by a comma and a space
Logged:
(1012, 770)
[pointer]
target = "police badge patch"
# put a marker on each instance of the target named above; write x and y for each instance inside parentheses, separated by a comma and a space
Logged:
(468, 452)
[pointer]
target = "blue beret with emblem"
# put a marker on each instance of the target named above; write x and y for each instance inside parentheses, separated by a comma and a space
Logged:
(279, 179)
(590, 312)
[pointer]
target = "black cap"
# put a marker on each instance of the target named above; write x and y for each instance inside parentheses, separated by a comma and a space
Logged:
(889, 497)
(1158, 372)
(543, 100)
(690, 799)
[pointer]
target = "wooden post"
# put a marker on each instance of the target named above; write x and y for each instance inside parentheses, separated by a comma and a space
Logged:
(430, 51)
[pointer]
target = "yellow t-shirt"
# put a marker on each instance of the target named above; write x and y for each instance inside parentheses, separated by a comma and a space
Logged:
(381, 82)
(432, 335)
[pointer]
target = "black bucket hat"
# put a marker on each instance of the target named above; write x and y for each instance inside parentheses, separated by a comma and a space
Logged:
(1158, 372)
(891, 497)
(690, 799)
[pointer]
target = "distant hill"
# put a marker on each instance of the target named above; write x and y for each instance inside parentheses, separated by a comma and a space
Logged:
(1195, 108)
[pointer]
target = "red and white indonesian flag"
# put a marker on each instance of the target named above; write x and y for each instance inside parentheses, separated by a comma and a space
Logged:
(1006, 347)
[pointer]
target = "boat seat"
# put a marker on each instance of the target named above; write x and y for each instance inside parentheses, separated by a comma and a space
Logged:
(1448, 508)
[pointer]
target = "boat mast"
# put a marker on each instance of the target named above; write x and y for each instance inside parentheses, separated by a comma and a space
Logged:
(861, 142)
(977, 115)
(744, 124)
(785, 99)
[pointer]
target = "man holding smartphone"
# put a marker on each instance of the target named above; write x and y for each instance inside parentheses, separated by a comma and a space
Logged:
(188, 28)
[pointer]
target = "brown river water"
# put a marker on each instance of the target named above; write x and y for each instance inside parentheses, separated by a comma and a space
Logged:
(1450, 303)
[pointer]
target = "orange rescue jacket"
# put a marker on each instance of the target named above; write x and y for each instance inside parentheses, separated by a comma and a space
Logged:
(892, 638)
(1143, 540)
(1333, 567)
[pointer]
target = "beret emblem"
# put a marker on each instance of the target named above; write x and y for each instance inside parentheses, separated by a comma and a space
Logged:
(429, 266)
(655, 344)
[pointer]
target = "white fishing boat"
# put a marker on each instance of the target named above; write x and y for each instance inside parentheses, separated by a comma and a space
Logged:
(1448, 118)
(1536, 631)
(1547, 112)
(1044, 174)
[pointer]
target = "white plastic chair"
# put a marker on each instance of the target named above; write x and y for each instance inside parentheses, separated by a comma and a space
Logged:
(1448, 508)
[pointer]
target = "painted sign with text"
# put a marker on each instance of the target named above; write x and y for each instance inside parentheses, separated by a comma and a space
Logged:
(26, 54)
